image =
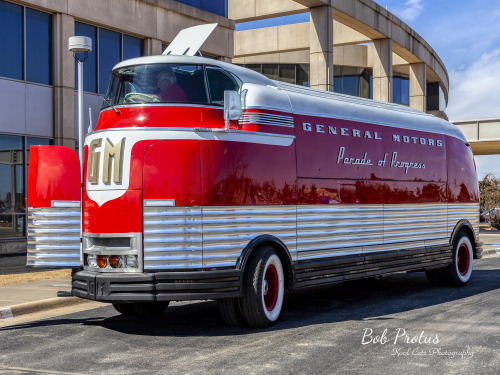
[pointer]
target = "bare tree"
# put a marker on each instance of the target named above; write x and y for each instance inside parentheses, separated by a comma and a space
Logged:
(489, 189)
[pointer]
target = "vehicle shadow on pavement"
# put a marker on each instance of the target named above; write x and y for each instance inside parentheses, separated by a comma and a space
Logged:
(369, 299)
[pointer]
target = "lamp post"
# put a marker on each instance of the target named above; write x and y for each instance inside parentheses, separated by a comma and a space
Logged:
(79, 45)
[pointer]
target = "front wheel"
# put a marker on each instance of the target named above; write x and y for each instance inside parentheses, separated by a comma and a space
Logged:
(141, 308)
(263, 288)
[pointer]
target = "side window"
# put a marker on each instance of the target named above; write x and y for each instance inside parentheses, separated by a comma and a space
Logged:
(218, 82)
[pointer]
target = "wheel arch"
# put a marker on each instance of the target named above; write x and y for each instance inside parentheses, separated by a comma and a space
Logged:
(466, 227)
(279, 246)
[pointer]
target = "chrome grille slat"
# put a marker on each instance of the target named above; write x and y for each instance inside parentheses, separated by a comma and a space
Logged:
(53, 238)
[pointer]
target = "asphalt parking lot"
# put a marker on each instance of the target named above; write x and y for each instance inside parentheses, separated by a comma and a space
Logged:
(397, 324)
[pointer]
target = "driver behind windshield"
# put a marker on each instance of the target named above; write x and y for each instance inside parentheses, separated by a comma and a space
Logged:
(169, 90)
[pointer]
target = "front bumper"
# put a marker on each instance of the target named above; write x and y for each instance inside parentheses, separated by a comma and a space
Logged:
(161, 286)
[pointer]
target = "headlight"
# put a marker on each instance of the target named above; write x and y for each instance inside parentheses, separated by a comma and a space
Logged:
(92, 261)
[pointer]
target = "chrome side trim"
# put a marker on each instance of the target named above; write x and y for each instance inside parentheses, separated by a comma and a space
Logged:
(325, 231)
(266, 119)
(172, 237)
(415, 222)
(227, 230)
(212, 237)
(53, 237)
(467, 211)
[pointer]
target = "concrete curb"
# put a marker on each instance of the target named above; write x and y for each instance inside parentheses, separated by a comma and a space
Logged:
(37, 306)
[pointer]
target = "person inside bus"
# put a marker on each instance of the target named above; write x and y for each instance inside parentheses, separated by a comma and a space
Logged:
(170, 91)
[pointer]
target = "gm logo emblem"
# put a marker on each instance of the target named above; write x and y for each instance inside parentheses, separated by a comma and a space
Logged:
(112, 161)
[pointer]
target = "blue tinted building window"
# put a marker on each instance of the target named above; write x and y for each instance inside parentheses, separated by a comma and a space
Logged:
(401, 89)
(350, 85)
(132, 47)
(89, 66)
(218, 7)
(11, 40)
(193, 3)
(38, 46)
(109, 56)
(213, 6)
(23, 29)
(352, 81)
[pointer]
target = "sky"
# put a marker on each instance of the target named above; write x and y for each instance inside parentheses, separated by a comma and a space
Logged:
(466, 36)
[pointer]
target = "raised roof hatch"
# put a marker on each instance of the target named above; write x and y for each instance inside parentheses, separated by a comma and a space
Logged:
(189, 41)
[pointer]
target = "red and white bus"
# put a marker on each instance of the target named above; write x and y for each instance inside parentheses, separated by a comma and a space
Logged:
(237, 188)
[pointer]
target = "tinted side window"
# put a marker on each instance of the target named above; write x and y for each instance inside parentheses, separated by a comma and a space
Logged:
(218, 82)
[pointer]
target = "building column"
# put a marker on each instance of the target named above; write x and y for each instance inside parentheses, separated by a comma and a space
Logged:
(152, 47)
(64, 81)
(321, 48)
(382, 70)
(418, 86)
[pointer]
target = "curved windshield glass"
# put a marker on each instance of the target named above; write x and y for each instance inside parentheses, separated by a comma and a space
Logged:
(157, 83)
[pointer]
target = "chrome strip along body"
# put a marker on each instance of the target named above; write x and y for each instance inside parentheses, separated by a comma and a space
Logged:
(208, 237)
(266, 119)
(214, 237)
(53, 237)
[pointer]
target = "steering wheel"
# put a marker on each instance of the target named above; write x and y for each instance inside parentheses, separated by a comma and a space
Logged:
(139, 97)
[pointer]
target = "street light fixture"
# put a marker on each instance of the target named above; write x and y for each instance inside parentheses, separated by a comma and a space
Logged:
(80, 45)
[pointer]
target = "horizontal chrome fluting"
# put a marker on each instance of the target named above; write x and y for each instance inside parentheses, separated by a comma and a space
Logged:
(457, 212)
(53, 237)
(415, 222)
(227, 230)
(324, 230)
(209, 237)
(172, 237)
(184, 237)
(266, 119)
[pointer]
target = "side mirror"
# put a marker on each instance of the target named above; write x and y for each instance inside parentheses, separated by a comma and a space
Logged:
(232, 107)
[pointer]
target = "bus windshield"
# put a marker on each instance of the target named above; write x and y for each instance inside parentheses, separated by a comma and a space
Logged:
(157, 83)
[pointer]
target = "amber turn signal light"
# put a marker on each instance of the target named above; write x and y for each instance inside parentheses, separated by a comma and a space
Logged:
(101, 261)
(115, 261)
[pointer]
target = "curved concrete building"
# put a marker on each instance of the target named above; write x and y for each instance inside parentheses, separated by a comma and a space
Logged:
(346, 43)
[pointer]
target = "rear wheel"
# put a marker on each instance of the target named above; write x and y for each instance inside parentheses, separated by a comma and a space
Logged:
(263, 288)
(459, 272)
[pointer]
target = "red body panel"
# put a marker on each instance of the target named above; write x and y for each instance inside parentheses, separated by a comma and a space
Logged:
(163, 116)
(462, 180)
(120, 215)
(332, 191)
(237, 173)
(323, 154)
(54, 174)
(172, 171)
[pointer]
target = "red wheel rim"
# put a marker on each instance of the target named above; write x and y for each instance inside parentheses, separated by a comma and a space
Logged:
(271, 287)
(463, 259)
